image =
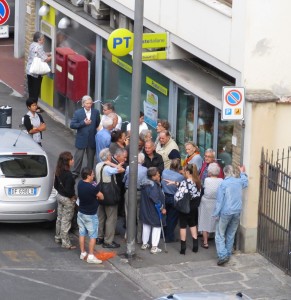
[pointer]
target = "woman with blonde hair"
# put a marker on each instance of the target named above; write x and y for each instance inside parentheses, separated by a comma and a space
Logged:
(193, 155)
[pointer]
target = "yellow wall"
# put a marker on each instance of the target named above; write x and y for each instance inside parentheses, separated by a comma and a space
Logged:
(47, 86)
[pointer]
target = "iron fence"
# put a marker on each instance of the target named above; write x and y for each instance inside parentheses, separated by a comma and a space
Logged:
(274, 220)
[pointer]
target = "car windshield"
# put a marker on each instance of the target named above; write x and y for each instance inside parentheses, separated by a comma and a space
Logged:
(23, 166)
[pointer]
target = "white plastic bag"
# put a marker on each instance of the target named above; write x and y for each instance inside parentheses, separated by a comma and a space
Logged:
(39, 67)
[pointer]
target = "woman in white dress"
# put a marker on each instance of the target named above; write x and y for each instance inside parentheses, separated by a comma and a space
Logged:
(206, 223)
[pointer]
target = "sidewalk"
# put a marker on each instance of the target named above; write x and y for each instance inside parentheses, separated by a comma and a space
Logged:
(171, 272)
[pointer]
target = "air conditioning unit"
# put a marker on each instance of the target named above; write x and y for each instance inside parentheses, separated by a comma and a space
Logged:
(97, 9)
(77, 2)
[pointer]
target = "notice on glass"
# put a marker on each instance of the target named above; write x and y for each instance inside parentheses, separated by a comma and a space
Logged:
(150, 108)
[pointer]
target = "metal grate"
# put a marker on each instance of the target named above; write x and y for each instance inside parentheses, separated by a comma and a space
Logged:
(274, 221)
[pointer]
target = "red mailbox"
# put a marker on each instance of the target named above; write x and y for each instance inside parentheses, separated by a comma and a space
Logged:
(61, 69)
(77, 79)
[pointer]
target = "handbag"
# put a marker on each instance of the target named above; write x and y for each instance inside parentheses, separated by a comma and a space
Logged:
(183, 205)
(39, 67)
(110, 190)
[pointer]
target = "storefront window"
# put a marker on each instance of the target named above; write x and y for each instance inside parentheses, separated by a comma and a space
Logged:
(82, 41)
(225, 133)
(185, 120)
(205, 126)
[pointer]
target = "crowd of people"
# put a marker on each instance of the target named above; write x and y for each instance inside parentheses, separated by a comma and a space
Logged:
(162, 180)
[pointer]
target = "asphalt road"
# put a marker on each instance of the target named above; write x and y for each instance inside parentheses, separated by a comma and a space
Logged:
(32, 265)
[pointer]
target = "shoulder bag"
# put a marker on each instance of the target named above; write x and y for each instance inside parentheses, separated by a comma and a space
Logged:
(183, 205)
(39, 67)
(110, 190)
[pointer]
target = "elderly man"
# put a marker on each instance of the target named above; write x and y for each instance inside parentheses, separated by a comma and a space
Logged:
(141, 175)
(152, 158)
(227, 211)
(103, 136)
(85, 120)
(209, 157)
(107, 215)
(165, 146)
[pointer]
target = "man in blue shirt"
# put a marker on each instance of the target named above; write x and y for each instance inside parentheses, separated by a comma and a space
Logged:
(103, 136)
(227, 211)
(87, 214)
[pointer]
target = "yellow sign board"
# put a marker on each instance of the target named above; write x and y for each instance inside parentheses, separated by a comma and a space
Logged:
(154, 40)
(122, 64)
(157, 86)
(154, 55)
(120, 42)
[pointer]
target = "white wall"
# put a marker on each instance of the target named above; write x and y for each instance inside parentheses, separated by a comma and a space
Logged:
(267, 54)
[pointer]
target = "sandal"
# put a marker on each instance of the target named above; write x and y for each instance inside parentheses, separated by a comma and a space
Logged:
(205, 246)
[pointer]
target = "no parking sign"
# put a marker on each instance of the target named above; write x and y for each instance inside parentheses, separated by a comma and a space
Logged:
(233, 100)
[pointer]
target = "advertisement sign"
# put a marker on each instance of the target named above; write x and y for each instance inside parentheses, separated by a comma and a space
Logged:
(150, 108)
(233, 99)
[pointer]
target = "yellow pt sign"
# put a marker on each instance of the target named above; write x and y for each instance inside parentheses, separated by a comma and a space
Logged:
(120, 42)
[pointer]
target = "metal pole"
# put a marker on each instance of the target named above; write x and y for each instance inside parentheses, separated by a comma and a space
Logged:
(134, 132)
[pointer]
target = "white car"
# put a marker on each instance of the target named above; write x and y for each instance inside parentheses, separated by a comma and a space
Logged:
(26, 183)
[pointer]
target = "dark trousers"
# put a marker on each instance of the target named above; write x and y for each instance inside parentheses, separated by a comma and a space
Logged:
(172, 218)
(34, 85)
(78, 158)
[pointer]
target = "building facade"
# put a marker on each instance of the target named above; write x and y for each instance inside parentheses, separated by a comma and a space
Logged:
(211, 44)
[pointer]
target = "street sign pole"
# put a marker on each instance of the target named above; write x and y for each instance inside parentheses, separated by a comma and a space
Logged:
(134, 133)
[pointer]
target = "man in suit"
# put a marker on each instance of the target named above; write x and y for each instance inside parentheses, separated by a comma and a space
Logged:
(85, 121)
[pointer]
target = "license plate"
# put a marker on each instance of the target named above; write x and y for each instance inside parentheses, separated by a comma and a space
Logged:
(22, 191)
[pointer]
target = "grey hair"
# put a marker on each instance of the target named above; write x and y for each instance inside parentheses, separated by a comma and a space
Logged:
(144, 133)
(37, 36)
(210, 150)
(104, 154)
(119, 151)
(140, 158)
(228, 171)
(85, 98)
(107, 122)
(213, 169)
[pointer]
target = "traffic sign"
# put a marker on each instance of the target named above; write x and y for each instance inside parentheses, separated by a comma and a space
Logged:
(233, 100)
(4, 12)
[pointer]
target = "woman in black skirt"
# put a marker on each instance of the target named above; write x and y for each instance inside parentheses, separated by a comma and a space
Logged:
(193, 184)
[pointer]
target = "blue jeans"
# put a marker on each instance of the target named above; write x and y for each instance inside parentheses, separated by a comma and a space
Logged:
(88, 225)
(226, 228)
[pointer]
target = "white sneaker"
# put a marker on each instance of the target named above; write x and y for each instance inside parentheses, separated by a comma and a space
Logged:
(156, 250)
(93, 260)
(83, 255)
(144, 246)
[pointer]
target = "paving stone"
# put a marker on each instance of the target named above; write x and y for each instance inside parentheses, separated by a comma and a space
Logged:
(217, 278)
(175, 275)
(155, 277)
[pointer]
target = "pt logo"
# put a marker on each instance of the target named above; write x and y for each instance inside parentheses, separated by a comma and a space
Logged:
(4, 12)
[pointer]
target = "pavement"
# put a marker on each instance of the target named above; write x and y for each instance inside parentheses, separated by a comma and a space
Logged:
(162, 273)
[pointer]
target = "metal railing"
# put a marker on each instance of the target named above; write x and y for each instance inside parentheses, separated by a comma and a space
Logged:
(274, 220)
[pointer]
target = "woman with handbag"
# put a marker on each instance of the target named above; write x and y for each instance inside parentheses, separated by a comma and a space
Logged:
(35, 50)
(66, 197)
(190, 185)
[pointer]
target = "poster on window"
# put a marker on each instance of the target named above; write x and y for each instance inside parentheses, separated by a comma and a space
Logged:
(150, 108)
